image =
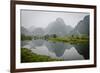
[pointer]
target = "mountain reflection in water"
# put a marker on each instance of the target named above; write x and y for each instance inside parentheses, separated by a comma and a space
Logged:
(58, 50)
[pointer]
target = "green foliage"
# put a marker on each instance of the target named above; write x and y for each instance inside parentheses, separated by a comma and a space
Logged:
(45, 37)
(23, 37)
(28, 56)
(54, 36)
(83, 39)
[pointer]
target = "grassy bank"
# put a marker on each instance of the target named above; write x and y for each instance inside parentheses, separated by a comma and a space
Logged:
(72, 40)
(28, 56)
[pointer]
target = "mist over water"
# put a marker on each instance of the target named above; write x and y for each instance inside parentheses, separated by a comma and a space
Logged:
(59, 50)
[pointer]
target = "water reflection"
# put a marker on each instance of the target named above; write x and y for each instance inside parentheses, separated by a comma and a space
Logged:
(59, 50)
(39, 42)
(57, 47)
(83, 50)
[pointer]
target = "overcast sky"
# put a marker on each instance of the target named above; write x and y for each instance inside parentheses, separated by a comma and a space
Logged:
(43, 18)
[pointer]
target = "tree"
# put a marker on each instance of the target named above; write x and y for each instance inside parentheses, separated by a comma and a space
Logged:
(54, 36)
(46, 36)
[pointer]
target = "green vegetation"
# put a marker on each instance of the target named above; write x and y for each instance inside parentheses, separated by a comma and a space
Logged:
(45, 37)
(71, 39)
(23, 37)
(28, 56)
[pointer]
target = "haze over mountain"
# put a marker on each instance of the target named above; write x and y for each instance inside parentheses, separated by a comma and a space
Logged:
(38, 32)
(58, 27)
(31, 28)
(82, 27)
(25, 31)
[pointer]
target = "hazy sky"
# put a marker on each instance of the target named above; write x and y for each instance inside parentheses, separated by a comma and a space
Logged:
(43, 18)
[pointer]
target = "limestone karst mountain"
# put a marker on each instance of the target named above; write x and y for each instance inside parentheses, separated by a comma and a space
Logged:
(58, 27)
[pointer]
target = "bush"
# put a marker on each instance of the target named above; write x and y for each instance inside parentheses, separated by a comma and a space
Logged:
(23, 37)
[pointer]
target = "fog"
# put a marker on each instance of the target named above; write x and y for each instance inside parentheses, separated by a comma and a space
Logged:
(43, 18)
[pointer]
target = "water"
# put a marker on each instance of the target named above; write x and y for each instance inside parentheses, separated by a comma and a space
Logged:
(58, 50)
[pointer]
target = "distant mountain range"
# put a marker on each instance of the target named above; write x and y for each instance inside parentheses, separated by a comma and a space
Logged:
(59, 28)
(38, 32)
(82, 27)
(25, 31)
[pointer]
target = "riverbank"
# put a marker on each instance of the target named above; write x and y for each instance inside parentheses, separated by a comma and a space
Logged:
(71, 40)
(28, 56)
